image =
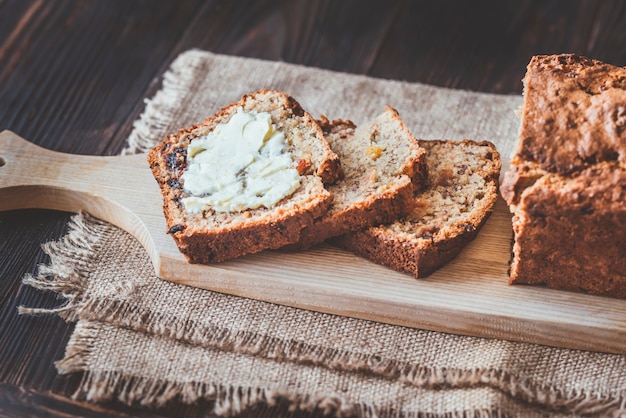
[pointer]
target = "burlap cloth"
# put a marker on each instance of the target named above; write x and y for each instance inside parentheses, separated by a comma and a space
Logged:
(146, 341)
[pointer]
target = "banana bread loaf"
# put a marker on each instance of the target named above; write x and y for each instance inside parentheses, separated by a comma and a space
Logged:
(566, 185)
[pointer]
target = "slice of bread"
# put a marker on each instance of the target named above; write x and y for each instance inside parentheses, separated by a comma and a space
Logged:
(382, 164)
(462, 190)
(212, 234)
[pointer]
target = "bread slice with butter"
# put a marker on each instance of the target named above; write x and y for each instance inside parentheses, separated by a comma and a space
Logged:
(382, 163)
(247, 179)
(462, 190)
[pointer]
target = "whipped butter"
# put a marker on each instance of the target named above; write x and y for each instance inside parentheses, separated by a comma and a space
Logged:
(241, 164)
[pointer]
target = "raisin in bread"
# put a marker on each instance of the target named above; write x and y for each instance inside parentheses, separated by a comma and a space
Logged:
(566, 185)
(224, 215)
(382, 164)
(460, 195)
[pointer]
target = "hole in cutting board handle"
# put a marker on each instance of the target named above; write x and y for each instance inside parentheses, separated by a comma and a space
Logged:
(2, 162)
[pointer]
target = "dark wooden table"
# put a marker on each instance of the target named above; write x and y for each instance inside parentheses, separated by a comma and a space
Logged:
(73, 76)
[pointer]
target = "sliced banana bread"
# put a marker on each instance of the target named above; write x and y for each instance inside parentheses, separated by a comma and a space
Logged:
(382, 164)
(247, 179)
(461, 192)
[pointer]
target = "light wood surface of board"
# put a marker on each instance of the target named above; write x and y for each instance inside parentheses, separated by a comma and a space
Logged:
(469, 296)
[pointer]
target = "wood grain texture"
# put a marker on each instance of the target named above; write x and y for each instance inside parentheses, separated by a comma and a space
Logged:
(68, 65)
(73, 76)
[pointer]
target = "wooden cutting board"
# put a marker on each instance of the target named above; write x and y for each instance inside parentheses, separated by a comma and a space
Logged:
(469, 296)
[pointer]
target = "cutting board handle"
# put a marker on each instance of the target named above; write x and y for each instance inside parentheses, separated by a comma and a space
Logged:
(117, 189)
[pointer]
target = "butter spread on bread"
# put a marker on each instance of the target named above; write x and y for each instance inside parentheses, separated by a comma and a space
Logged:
(241, 164)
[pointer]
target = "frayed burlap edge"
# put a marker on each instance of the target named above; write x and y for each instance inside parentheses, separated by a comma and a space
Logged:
(71, 260)
(177, 82)
(98, 386)
(231, 401)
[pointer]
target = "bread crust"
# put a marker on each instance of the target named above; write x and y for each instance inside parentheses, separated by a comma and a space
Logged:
(574, 113)
(566, 184)
(569, 232)
(213, 237)
(416, 246)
